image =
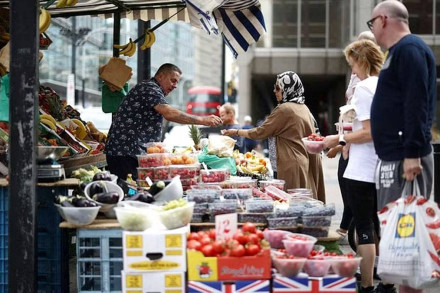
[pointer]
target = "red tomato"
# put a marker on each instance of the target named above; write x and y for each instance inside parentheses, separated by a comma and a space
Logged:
(249, 227)
(194, 244)
(253, 238)
(211, 234)
(201, 234)
(238, 251)
(208, 250)
(240, 237)
(252, 249)
(260, 234)
(205, 240)
(193, 236)
(218, 246)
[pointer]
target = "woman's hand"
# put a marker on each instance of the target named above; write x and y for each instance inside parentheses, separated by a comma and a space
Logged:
(331, 141)
(346, 151)
(333, 152)
(229, 132)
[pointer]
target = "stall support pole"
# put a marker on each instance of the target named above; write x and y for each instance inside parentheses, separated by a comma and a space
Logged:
(24, 29)
(116, 32)
(144, 57)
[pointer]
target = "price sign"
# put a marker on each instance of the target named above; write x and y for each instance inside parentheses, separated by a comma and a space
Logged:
(225, 226)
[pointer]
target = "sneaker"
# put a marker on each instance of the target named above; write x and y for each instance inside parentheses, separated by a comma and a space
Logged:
(382, 289)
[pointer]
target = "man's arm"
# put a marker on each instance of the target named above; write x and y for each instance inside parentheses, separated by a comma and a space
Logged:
(172, 114)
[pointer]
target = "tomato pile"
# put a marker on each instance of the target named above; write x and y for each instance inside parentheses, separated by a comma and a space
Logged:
(315, 137)
(247, 241)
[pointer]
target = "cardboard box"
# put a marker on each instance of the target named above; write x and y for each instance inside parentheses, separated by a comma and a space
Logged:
(255, 286)
(157, 282)
(201, 268)
(304, 284)
(155, 250)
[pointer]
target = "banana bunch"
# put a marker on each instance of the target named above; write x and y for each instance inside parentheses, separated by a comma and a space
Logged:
(4, 37)
(45, 20)
(49, 121)
(64, 3)
(149, 39)
(128, 49)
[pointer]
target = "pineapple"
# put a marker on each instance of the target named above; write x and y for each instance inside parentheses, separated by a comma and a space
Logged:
(196, 136)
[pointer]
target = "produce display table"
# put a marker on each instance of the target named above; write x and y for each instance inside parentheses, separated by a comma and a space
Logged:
(96, 224)
(67, 183)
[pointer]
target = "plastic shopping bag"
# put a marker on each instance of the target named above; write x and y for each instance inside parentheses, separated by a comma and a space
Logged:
(220, 145)
(215, 162)
(409, 249)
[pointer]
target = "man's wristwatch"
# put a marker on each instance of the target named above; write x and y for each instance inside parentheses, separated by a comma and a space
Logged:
(342, 140)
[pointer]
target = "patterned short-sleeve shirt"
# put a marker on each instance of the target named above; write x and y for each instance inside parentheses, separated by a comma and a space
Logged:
(136, 122)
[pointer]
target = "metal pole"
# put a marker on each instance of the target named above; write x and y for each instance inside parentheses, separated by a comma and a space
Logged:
(223, 77)
(144, 57)
(23, 107)
(116, 32)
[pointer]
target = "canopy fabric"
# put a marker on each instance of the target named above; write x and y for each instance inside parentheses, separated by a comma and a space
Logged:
(132, 9)
(240, 22)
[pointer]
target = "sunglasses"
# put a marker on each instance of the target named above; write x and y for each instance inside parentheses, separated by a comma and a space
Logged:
(276, 87)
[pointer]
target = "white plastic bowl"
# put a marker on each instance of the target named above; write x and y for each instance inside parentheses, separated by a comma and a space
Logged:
(344, 266)
(173, 190)
(78, 216)
(134, 215)
(178, 217)
(105, 208)
(313, 147)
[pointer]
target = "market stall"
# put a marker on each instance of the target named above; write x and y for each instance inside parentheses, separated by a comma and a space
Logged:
(26, 19)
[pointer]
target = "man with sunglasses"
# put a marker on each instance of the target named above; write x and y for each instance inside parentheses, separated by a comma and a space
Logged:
(403, 108)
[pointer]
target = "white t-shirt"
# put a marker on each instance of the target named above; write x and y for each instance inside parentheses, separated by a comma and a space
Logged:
(362, 157)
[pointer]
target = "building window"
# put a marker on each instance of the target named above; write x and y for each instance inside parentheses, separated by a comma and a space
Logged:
(313, 18)
(420, 16)
(285, 23)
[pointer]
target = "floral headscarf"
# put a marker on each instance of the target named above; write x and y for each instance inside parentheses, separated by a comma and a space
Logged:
(291, 86)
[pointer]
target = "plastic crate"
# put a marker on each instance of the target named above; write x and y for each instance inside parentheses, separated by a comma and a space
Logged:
(99, 260)
(52, 274)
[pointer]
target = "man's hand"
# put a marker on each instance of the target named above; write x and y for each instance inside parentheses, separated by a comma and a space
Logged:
(212, 120)
(411, 168)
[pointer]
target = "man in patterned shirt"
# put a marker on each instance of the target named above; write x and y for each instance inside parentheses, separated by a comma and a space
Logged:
(139, 120)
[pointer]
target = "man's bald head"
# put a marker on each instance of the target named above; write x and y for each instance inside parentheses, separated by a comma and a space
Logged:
(393, 8)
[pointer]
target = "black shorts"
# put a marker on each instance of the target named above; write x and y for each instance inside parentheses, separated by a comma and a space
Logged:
(362, 200)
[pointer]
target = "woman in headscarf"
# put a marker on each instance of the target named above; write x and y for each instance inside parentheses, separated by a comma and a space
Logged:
(288, 123)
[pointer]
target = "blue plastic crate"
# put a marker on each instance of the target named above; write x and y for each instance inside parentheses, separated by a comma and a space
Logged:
(99, 260)
(50, 245)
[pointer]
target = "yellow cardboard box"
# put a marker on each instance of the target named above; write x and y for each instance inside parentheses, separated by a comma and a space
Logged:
(155, 250)
(160, 282)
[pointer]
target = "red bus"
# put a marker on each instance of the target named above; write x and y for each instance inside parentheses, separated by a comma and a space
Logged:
(204, 100)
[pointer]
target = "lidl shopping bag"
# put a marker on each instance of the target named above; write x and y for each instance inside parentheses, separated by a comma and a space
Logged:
(409, 249)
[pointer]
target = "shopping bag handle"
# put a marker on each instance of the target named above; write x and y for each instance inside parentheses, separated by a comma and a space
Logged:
(411, 188)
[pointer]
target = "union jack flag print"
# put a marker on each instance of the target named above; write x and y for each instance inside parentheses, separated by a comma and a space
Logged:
(330, 284)
(257, 286)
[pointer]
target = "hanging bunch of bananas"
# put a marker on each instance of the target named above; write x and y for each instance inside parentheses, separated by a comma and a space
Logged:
(4, 37)
(64, 3)
(128, 49)
(149, 39)
(45, 20)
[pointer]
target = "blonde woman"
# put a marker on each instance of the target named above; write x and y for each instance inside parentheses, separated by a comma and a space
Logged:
(365, 59)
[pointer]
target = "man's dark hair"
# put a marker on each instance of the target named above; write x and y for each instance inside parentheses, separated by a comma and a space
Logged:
(167, 68)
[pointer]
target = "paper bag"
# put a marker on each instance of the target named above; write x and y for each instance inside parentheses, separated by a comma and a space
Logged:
(116, 72)
(5, 56)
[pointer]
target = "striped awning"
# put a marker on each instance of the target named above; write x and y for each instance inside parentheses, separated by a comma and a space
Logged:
(240, 22)
(131, 9)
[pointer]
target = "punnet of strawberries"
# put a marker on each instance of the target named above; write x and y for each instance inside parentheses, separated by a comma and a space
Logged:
(315, 137)
(247, 241)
